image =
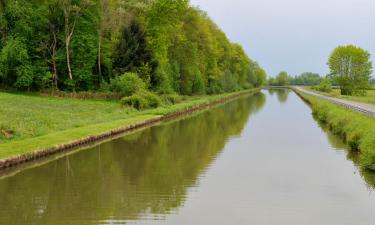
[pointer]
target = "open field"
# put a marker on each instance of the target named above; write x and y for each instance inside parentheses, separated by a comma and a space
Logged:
(31, 123)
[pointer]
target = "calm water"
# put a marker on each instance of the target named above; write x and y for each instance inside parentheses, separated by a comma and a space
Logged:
(260, 160)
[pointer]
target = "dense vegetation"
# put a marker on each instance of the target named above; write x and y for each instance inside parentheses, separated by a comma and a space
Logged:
(307, 78)
(86, 45)
(282, 79)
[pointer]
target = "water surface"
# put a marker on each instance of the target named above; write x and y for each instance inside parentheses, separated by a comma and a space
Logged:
(259, 160)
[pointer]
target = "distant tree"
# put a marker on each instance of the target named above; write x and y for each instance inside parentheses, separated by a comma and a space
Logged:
(351, 69)
(306, 78)
(282, 79)
(271, 81)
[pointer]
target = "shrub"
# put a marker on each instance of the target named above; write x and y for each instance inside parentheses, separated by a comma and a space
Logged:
(104, 86)
(142, 100)
(325, 86)
(127, 84)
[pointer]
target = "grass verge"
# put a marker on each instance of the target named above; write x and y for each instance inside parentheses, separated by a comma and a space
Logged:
(356, 129)
(369, 98)
(62, 133)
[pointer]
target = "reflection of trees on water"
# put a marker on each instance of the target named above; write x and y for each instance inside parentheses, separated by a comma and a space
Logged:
(337, 143)
(272, 91)
(148, 172)
(281, 93)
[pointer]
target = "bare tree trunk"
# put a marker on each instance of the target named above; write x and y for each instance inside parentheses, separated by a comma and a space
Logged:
(68, 59)
(54, 76)
(68, 34)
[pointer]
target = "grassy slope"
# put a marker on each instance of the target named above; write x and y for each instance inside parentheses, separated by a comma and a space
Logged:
(369, 98)
(40, 122)
(355, 128)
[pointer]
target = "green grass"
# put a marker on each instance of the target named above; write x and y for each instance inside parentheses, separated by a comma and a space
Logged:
(30, 116)
(369, 98)
(35, 123)
(356, 129)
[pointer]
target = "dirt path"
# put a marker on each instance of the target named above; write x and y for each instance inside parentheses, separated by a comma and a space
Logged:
(355, 106)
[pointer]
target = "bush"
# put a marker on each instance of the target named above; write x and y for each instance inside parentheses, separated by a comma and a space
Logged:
(142, 100)
(324, 86)
(127, 84)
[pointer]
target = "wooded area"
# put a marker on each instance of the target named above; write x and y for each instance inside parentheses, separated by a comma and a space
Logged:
(81, 45)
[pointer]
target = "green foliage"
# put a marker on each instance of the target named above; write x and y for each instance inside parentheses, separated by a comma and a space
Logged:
(259, 76)
(351, 69)
(198, 86)
(308, 79)
(133, 54)
(127, 84)
(142, 100)
(324, 86)
(282, 79)
(77, 45)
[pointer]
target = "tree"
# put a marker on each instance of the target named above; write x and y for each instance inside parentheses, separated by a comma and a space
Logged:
(72, 12)
(132, 53)
(351, 69)
(282, 79)
(82, 44)
(260, 76)
(53, 45)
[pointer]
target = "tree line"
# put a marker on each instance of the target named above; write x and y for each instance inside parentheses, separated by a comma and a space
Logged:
(350, 69)
(82, 45)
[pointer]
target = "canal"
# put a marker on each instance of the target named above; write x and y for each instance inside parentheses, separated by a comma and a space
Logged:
(261, 160)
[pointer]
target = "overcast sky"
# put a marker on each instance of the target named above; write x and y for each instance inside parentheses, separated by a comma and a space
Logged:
(294, 35)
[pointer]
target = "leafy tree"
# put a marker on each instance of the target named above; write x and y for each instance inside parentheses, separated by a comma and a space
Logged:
(258, 76)
(351, 69)
(282, 79)
(132, 53)
(15, 64)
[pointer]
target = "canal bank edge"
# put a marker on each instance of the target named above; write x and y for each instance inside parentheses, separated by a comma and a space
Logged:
(354, 128)
(139, 122)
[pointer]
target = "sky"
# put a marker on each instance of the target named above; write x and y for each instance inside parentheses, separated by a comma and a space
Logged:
(294, 35)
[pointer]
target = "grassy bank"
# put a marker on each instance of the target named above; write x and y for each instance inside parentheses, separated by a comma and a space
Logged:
(31, 123)
(356, 129)
(369, 98)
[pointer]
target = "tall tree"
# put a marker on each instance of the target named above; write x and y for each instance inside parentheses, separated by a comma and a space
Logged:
(72, 11)
(350, 68)
(282, 79)
(132, 53)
